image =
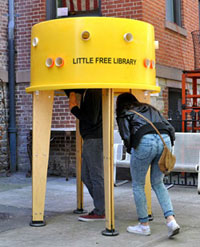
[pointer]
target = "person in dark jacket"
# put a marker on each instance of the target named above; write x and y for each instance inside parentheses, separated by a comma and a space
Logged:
(145, 147)
(90, 125)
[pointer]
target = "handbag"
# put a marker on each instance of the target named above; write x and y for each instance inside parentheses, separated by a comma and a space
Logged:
(167, 159)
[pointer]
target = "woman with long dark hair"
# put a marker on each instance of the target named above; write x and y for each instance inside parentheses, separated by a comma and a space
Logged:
(145, 147)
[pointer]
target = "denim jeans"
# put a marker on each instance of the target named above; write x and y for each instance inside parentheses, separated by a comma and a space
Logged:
(92, 172)
(147, 154)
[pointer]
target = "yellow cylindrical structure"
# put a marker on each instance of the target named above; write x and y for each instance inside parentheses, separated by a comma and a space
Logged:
(86, 52)
(93, 52)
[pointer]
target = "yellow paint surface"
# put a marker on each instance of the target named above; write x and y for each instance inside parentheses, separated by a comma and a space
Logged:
(105, 60)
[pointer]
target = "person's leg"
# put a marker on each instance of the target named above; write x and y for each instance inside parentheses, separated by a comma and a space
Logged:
(93, 153)
(97, 175)
(85, 174)
(157, 180)
(140, 161)
(161, 191)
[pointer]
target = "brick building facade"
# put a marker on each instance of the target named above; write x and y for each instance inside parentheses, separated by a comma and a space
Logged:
(3, 87)
(175, 54)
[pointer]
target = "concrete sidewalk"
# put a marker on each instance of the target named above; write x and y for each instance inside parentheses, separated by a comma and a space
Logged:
(64, 230)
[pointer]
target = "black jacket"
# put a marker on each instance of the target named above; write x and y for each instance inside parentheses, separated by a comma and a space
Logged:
(132, 127)
(89, 113)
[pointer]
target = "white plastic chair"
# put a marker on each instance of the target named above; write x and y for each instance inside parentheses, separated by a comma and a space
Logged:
(118, 157)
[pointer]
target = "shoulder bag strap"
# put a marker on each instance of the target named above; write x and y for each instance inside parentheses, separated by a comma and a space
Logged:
(150, 124)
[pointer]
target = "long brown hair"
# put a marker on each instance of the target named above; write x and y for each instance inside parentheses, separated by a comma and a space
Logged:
(126, 101)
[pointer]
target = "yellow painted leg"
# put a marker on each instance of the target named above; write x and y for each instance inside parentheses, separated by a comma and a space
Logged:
(42, 115)
(141, 96)
(79, 184)
(108, 115)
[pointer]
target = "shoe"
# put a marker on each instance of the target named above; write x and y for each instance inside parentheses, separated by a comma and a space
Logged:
(139, 229)
(91, 217)
(173, 228)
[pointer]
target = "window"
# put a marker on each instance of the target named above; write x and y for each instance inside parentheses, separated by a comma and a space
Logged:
(72, 8)
(173, 11)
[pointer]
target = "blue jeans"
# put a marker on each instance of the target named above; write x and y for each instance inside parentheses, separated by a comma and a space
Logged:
(92, 172)
(147, 154)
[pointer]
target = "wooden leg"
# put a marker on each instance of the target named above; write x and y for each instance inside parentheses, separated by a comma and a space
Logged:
(42, 115)
(108, 110)
(79, 184)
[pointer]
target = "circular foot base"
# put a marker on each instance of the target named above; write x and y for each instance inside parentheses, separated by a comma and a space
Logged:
(37, 223)
(79, 211)
(107, 232)
(150, 217)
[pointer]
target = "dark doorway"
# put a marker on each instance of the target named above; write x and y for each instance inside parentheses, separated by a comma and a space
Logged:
(175, 108)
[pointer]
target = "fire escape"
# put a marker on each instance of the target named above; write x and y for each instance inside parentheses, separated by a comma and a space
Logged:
(191, 98)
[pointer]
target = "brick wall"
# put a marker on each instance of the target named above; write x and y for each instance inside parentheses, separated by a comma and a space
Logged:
(61, 118)
(24, 124)
(4, 162)
(3, 34)
(160, 101)
(191, 23)
(4, 159)
(63, 145)
(122, 8)
(175, 49)
(29, 13)
(62, 158)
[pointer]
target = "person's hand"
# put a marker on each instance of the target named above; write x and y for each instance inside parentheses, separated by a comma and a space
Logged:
(72, 100)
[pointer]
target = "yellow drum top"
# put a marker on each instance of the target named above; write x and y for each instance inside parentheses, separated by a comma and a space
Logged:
(92, 52)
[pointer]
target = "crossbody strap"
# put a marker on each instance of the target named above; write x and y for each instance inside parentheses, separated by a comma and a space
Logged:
(150, 124)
